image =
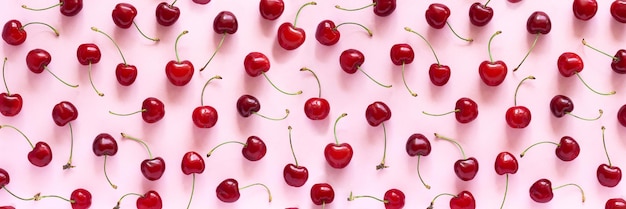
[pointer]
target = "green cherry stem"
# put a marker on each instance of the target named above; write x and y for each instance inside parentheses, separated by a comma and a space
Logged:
(615, 59)
(442, 114)
(69, 165)
(576, 185)
(356, 9)
(605, 150)
(114, 43)
(352, 197)
(335, 127)
(281, 91)
(58, 78)
(21, 198)
(41, 9)
(291, 145)
(453, 141)
(370, 77)
(382, 162)
(589, 87)
(587, 119)
(105, 173)
(22, 133)
(485, 5)
(117, 206)
(300, 10)
(172, 4)
(432, 202)
(204, 87)
(144, 35)
(127, 114)
(489, 43)
(4, 63)
(269, 194)
(506, 190)
(126, 136)
(91, 82)
(274, 119)
(535, 144)
(517, 88)
(319, 85)
(176, 42)
(219, 45)
(56, 33)
(427, 42)
(404, 81)
(528, 53)
(193, 189)
(419, 157)
(457, 35)
(224, 143)
(369, 32)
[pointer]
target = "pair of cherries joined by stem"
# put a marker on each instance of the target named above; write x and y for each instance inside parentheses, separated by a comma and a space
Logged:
(542, 191)
(192, 164)
(256, 64)
(63, 113)
(377, 113)
(351, 61)
(462, 200)
(152, 110)
(13, 32)
(437, 17)
(167, 14)
(566, 150)
(105, 145)
(465, 168)
(618, 63)
(480, 14)
(289, 36)
(228, 190)
(327, 32)
(149, 200)
(506, 164)
(518, 116)
(382, 8)
(10, 104)
(205, 116)
(271, 9)
(254, 149)
(124, 16)
(125, 73)
(40, 154)
(66, 7)
(178, 72)
(570, 64)
(295, 175)
(89, 54)
(248, 105)
(538, 23)
(316, 108)
(418, 145)
(492, 73)
(338, 155)
(393, 198)
(151, 168)
(465, 110)
(225, 23)
(38, 60)
(439, 74)
(79, 199)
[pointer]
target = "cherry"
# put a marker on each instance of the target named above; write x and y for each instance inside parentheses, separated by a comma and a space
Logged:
(377, 113)
(80, 199)
(561, 105)
(192, 164)
(224, 23)
(439, 74)
(289, 36)
(618, 63)
(63, 113)
(152, 110)
(338, 155)
(585, 9)
(480, 14)
(437, 16)
(506, 164)
(125, 73)
(295, 175)
(10, 104)
(618, 10)
(149, 200)
(518, 116)
(492, 73)
(271, 9)
(569, 64)
(152, 168)
(463, 200)
(393, 198)
(124, 16)
(382, 8)
(14, 34)
(327, 33)
(179, 73)
(256, 63)
(248, 105)
(228, 190)
(37, 60)
(105, 145)
(418, 145)
(541, 190)
(254, 149)
(621, 115)
(167, 14)
(402, 54)
(538, 23)
(567, 149)
(608, 175)
(40, 155)
(67, 7)
(89, 54)
(316, 108)
(205, 116)
(465, 168)
(465, 110)
(351, 60)
(615, 203)
(322, 194)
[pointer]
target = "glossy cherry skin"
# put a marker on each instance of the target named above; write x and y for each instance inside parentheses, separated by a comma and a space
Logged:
(621, 115)
(124, 14)
(538, 22)
(167, 14)
(81, 198)
(585, 9)
(619, 65)
(88, 54)
(5, 179)
(492, 73)
(271, 9)
(225, 22)
(10, 105)
(463, 200)
(618, 10)
(228, 191)
(506, 163)
(289, 37)
(125, 74)
(480, 14)
(384, 8)
(155, 110)
(327, 33)
(153, 169)
(541, 191)
(316, 108)
(63, 113)
(150, 200)
(295, 176)
(104, 144)
(377, 113)
(247, 105)
(41, 155)
(609, 176)
(615, 203)
(71, 7)
(437, 15)
(418, 144)
(37, 60)
(518, 117)
(13, 33)
(201, 1)
(468, 110)
(561, 105)
(179, 73)
(569, 64)
(395, 199)
(402, 54)
(322, 193)
(466, 169)
(439, 74)
(338, 155)
(255, 149)
(568, 149)
(256, 63)
(192, 163)
(351, 60)
(204, 116)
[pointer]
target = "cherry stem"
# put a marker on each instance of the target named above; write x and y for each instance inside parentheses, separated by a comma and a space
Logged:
(457, 35)
(323, 204)
(404, 80)
(299, 10)
(114, 43)
(219, 45)
(39, 197)
(22, 133)
(223, 143)
(127, 114)
(204, 87)
(319, 85)
(91, 81)
(588, 119)
(281, 91)
(370, 77)
(172, 4)
(69, 161)
(485, 5)
(259, 184)
(4, 63)
(427, 42)
(364, 7)
(21, 198)
(144, 35)
(126, 136)
(57, 77)
(291, 145)
(176, 42)
(382, 162)
(41, 23)
(193, 188)
(538, 143)
(50, 7)
(121, 198)
(604, 144)
(528, 53)
(589, 87)
(489, 43)
(615, 59)
(518, 85)
(274, 119)
(419, 157)
(369, 32)
(351, 198)
(432, 202)
(576, 185)
(453, 141)
(442, 114)
(105, 173)
(506, 190)
(335, 127)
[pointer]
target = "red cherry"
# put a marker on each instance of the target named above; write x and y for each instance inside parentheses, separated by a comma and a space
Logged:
(316, 108)
(618, 63)
(327, 33)
(382, 8)
(228, 190)
(538, 23)
(179, 73)
(615, 203)
(567, 149)
(89, 54)
(322, 194)
(64, 112)
(295, 175)
(506, 163)
(5, 179)
(205, 116)
(463, 200)
(608, 175)
(254, 149)
(439, 74)
(338, 155)
(105, 144)
(41, 155)
(351, 60)
(151, 168)
(618, 10)
(192, 163)
(492, 73)
(167, 14)
(480, 14)
(437, 17)
(541, 191)
(465, 110)
(13, 32)
(10, 104)
(570, 63)
(402, 54)
(518, 116)
(149, 200)
(224, 23)
(81, 199)
(289, 36)
(585, 9)
(465, 168)
(124, 15)
(67, 7)
(248, 105)
(271, 9)
(37, 60)
(418, 145)
(393, 199)
(377, 113)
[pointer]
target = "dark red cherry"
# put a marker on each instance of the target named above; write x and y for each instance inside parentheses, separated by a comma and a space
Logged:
(247, 105)
(228, 191)
(437, 15)
(350, 60)
(418, 144)
(37, 60)
(568, 149)
(225, 22)
(271, 9)
(538, 22)
(5, 179)
(377, 113)
(255, 149)
(104, 144)
(154, 110)
(561, 105)
(124, 14)
(541, 191)
(167, 14)
(585, 9)
(63, 113)
(618, 10)
(468, 110)
(384, 8)
(480, 14)
(621, 115)
(71, 7)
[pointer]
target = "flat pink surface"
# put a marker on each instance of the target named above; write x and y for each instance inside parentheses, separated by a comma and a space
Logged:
(170, 138)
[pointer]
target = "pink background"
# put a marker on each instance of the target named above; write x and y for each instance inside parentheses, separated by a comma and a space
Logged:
(170, 138)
